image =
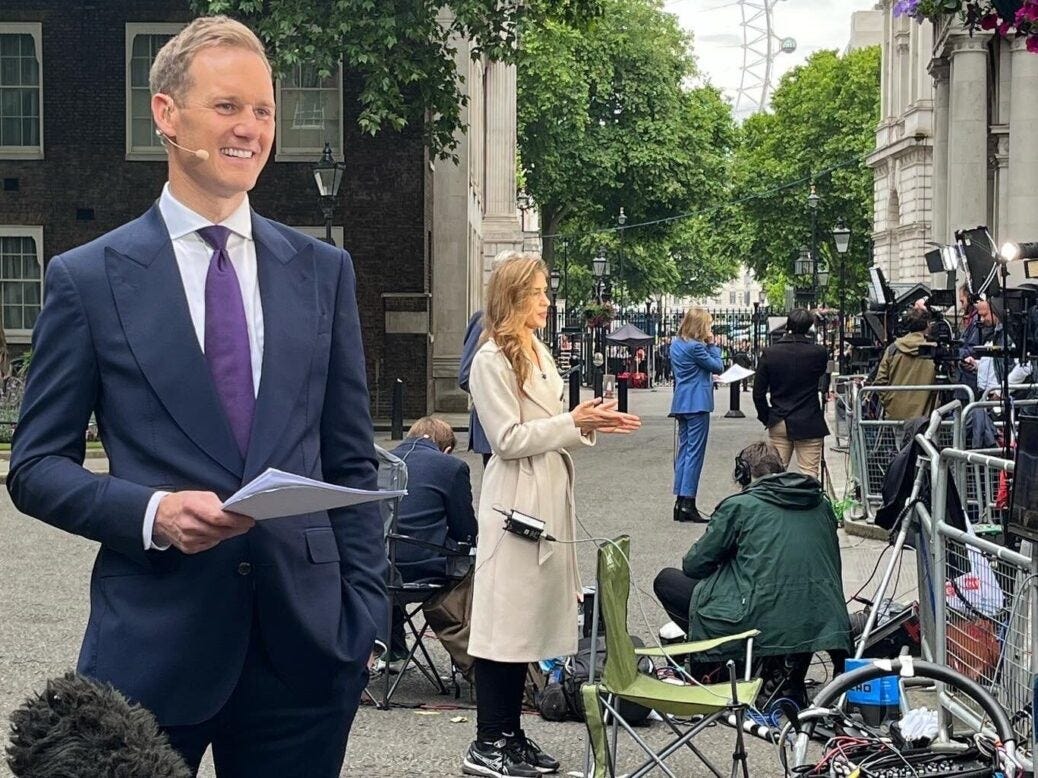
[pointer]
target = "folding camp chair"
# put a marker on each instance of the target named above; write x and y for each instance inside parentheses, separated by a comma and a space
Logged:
(410, 597)
(708, 703)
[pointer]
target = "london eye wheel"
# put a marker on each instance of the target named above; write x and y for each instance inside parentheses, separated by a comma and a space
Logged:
(760, 47)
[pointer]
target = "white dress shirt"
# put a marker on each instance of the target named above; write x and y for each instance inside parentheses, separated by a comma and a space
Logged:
(193, 255)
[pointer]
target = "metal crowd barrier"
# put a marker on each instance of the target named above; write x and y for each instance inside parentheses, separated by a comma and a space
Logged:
(985, 611)
(844, 390)
(875, 442)
(981, 484)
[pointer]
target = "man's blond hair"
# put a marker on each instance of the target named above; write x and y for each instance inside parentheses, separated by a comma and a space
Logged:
(437, 430)
(169, 71)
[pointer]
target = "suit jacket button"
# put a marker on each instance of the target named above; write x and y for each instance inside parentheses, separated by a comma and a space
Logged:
(244, 568)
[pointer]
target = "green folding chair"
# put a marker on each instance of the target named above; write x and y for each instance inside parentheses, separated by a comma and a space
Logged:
(704, 704)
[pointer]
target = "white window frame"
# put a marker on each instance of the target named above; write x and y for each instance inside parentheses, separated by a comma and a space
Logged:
(319, 233)
(36, 233)
(133, 29)
(35, 29)
(293, 154)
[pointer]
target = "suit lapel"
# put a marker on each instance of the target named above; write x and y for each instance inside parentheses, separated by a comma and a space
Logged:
(149, 296)
(288, 293)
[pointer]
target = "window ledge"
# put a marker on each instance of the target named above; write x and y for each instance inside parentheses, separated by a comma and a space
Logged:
(145, 156)
(303, 156)
(12, 153)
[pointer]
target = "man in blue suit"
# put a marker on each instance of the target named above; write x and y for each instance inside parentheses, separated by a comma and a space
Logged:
(437, 510)
(478, 440)
(210, 344)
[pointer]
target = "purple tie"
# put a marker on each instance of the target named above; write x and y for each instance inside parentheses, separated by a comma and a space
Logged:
(227, 338)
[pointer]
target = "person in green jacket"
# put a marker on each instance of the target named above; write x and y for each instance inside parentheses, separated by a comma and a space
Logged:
(769, 560)
(902, 365)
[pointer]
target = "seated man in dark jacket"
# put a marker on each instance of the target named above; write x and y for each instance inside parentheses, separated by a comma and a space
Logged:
(437, 509)
(769, 560)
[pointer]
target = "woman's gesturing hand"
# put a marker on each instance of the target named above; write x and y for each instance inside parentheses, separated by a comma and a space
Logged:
(601, 416)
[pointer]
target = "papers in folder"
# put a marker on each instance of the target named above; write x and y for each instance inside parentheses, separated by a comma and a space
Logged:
(274, 493)
(733, 374)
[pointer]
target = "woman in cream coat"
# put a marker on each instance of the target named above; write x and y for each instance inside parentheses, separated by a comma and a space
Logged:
(524, 605)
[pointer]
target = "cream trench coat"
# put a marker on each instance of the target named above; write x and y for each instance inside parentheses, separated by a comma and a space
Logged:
(524, 602)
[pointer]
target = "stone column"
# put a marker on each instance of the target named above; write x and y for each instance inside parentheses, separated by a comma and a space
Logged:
(1022, 208)
(451, 243)
(939, 71)
(501, 228)
(968, 132)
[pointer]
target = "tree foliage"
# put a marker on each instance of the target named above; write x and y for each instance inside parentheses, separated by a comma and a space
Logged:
(820, 127)
(607, 119)
(402, 51)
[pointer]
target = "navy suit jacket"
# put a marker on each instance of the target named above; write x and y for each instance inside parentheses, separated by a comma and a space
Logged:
(478, 440)
(786, 386)
(694, 364)
(437, 509)
(115, 339)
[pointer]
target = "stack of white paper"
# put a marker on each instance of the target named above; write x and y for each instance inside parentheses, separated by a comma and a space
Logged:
(275, 493)
(733, 374)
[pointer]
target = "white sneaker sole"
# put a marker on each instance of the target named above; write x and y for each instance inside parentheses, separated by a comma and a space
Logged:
(471, 768)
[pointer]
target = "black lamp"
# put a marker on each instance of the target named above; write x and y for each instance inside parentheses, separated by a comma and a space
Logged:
(328, 175)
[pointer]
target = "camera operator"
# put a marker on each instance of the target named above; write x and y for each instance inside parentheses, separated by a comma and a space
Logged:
(769, 560)
(903, 365)
(990, 368)
(972, 336)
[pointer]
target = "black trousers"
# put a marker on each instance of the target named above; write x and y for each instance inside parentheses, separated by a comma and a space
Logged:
(499, 698)
(265, 730)
(674, 591)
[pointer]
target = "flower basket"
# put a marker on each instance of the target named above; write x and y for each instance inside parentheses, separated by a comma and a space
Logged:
(599, 315)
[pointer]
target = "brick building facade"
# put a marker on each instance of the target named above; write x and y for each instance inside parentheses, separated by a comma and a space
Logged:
(74, 164)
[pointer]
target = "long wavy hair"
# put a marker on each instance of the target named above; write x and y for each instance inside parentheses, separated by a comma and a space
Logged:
(695, 325)
(504, 311)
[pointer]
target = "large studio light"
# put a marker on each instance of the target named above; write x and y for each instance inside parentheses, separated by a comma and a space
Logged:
(1011, 252)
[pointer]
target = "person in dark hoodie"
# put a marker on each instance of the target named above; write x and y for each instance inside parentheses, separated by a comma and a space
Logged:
(769, 560)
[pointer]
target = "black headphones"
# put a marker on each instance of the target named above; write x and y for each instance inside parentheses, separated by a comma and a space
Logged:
(742, 474)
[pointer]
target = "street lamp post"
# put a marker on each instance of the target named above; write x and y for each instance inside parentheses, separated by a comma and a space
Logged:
(621, 219)
(802, 268)
(812, 204)
(328, 176)
(600, 269)
(554, 279)
(842, 239)
(524, 203)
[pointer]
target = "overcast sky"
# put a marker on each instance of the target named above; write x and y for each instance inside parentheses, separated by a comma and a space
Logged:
(717, 27)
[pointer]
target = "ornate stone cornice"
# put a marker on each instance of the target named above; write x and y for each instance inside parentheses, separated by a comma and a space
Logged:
(939, 69)
(959, 44)
(1019, 43)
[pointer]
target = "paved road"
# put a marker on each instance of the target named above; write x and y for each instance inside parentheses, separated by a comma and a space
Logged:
(623, 486)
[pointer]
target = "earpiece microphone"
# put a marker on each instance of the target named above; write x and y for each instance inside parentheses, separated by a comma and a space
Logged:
(201, 154)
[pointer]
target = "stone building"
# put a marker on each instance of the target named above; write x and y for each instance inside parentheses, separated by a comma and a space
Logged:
(78, 157)
(956, 144)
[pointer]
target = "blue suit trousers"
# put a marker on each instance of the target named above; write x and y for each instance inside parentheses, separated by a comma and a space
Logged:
(693, 429)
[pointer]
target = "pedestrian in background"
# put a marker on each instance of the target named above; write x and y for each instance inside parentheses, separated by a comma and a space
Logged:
(786, 393)
(473, 339)
(695, 360)
(525, 592)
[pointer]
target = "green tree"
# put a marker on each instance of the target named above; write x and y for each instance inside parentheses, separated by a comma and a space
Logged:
(400, 50)
(607, 119)
(820, 126)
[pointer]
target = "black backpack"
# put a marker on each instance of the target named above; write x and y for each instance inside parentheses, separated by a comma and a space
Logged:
(561, 700)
